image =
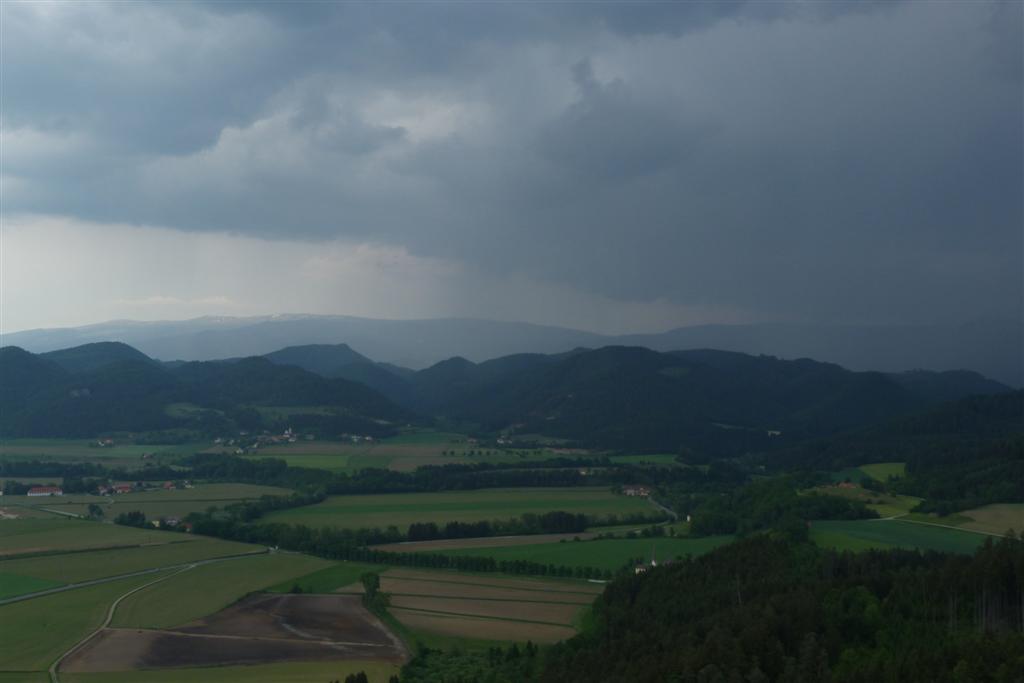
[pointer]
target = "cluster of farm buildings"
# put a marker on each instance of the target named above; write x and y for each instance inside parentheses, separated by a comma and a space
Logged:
(112, 489)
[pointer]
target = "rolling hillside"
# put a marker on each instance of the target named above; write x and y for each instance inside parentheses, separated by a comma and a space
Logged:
(130, 393)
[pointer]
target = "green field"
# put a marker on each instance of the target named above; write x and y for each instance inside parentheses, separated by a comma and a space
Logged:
(157, 503)
(35, 632)
(126, 454)
(327, 579)
(611, 554)
(55, 534)
(176, 549)
(996, 519)
(660, 459)
(18, 584)
(297, 672)
(403, 509)
(879, 471)
(882, 534)
(210, 588)
(403, 453)
(885, 504)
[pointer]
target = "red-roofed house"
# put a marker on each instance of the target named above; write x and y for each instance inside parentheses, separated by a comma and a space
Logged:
(123, 488)
(45, 491)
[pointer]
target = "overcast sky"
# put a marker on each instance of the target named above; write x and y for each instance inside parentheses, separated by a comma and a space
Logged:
(613, 167)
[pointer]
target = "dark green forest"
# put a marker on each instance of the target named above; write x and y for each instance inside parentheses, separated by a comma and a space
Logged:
(767, 609)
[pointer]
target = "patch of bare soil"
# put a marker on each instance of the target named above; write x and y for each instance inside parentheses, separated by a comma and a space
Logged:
(261, 629)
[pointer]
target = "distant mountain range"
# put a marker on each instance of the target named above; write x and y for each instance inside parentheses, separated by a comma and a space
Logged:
(714, 403)
(993, 348)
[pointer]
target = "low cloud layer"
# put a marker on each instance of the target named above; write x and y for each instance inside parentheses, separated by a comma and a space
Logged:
(603, 165)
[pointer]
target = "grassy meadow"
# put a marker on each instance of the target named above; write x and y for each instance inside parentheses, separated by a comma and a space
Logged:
(85, 566)
(611, 554)
(879, 471)
(893, 533)
(403, 453)
(885, 504)
(403, 509)
(292, 672)
(209, 588)
(154, 504)
(37, 631)
(62, 534)
(127, 455)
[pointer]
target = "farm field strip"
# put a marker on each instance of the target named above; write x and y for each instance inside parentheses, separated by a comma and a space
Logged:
(462, 606)
(403, 509)
(961, 527)
(101, 563)
(210, 588)
(117, 577)
(259, 629)
(997, 518)
(463, 627)
(893, 533)
(19, 536)
(473, 614)
(292, 672)
(610, 554)
(524, 611)
(106, 622)
(35, 632)
(199, 492)
(482, 542)
(534, 585)
(326, 580)
(477, 592)
(12, 585)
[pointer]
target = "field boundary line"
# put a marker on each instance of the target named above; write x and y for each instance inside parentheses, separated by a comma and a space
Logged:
(54, 677)
(464, 615)
(96, 549)
(947, 526)
(489, 585)
(477, 599)
(117, 577)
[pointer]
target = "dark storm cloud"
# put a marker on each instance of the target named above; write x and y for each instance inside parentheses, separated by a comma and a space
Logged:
(836, 161)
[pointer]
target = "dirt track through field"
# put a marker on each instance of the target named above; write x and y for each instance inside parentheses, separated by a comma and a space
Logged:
(260, 629)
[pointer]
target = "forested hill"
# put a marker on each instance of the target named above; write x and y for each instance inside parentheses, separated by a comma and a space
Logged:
(716, 402)
(342, 361)
(115, 388)
(713, 403)
(90, 357)
(770, 610)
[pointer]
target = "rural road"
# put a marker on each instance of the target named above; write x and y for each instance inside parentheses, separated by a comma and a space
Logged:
(941, 526)
(54, 677)
(117, 577)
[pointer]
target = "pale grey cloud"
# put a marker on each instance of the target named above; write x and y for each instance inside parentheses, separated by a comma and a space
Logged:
(817, 161)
